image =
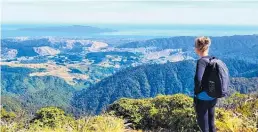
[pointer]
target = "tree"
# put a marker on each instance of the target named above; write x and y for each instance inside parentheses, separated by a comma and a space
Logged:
(51, 117)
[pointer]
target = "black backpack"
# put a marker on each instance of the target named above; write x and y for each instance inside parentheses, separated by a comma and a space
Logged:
(215, 80)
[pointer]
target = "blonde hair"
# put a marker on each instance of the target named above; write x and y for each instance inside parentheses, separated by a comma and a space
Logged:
(202, 43)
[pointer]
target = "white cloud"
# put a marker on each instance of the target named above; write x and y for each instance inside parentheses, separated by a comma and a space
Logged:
(182, 12)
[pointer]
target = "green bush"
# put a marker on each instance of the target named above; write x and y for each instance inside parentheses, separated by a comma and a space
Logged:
(176, 113)
(228, 121)
(101, 123)
(249, 111)
(51, 117)
(10, 122)
(55, 119)
(7, 116)
(162, 113)
(173, 113)
(245, 107)
(232, 102)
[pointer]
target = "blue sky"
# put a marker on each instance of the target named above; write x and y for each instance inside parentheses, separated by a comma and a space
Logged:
(224, 12)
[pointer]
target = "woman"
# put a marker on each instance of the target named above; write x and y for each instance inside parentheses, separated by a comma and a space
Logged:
(204, 104)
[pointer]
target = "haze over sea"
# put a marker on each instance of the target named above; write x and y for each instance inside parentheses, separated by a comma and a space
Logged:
(132, 30)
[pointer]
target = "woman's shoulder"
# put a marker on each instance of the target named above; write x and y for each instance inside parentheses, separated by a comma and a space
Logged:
(203, 60)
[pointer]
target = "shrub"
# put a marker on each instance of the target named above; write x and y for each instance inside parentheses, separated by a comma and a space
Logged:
(172, 113)
(55, 119)
(9, 121)
(51, 117)
(249, 111)
(232, 102)
(245, 107)
(226, 121)
(176, 113)
(102, 123)
(7, 116)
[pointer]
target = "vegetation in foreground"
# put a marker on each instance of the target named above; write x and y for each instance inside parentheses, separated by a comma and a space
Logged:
(237, 113)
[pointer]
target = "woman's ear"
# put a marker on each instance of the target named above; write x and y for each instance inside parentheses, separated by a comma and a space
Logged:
(196, 50)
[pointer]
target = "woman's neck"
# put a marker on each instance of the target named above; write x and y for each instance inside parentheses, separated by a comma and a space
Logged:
(204, 54)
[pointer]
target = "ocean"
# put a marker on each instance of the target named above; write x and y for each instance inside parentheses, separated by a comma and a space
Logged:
(132, 30)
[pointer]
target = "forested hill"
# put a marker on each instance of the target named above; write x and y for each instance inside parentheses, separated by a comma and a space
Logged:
(242, 47)
(150, 80)
(224, 43)
(20, 91)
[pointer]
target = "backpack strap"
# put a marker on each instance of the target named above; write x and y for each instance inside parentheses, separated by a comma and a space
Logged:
(212, 57)
(208, 60)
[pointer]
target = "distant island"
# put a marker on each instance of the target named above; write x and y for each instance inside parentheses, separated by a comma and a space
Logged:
(72, 29)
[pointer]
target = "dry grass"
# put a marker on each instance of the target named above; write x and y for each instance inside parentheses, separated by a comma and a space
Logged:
(51, 70)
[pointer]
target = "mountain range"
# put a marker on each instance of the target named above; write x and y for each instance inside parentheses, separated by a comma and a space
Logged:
(150, 80)
(84, 76)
